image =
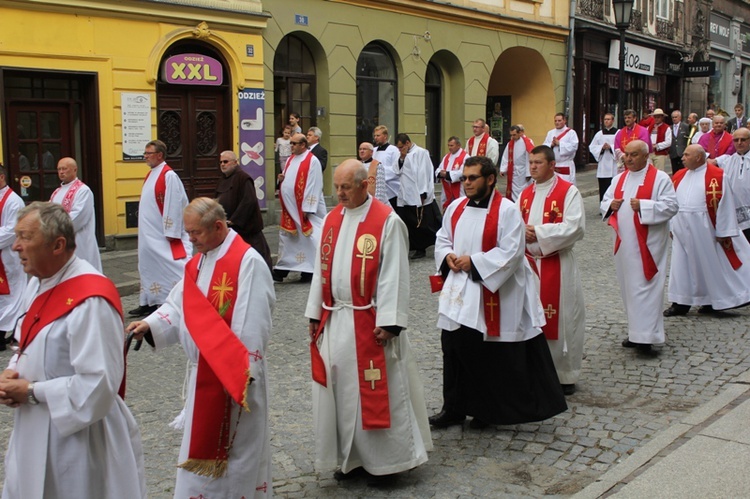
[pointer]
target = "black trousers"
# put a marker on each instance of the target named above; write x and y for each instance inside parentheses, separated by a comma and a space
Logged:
(422, 222)
(604, 183)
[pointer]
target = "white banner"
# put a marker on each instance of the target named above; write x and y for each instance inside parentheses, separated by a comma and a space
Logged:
(638, 59)
(136, 124)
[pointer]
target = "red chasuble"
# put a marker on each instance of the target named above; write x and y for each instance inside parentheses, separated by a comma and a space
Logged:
(644, 192)
(452, 190)
(482, 150)
(491, 301)
(160, 191)
(371, 366)
(223, 365)
(554, 204)
(511, 163)
(714, 190)
(4, 284)
(287, 222)
(67, 202)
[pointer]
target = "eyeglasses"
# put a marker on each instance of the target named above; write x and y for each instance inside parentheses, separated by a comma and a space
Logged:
(295, 143)
(148, 153)
(224, 161)
(740, 139)
(470, 178)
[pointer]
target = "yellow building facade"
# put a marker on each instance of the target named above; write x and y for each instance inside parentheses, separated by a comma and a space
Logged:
(71, 72)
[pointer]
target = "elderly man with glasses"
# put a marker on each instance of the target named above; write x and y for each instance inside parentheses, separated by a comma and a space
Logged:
(736, 172)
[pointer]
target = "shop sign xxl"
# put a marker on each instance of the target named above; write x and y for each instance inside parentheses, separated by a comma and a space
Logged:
(193, 69)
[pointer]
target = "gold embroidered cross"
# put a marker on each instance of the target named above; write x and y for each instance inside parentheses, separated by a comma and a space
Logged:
(366, 244)
(372, 375)
(222, 288)
(168, 223)
(311, 199)
(549, 311)
(69, 301)
(553, 212)
(715, 192)
(155, 288)
(300, 257)
(492, 304)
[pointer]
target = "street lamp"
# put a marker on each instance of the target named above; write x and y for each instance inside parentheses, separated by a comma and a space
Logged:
(623, 9)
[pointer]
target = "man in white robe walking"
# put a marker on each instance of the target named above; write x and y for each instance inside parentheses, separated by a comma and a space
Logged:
(497, 367)
(710, 266)
(368, 403)
(449, 172)
(302, 211)
(77, 199)
(639, 204)
(564, 141)
(602, 147)
(163, 245)
(737, 169)
(481, 143)
(221, 315)
(73, 436)
(516, 167)
(555, 220)
(388, 155)
(12, 275)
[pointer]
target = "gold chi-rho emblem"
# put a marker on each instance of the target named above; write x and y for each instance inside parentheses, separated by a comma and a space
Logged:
(366, 245)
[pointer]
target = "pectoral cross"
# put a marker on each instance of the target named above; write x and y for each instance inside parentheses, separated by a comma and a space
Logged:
(168, 223)
(549, 311)
(222, 288)
(492, 304)
(715, 193)
(366, 244)
(372, 375)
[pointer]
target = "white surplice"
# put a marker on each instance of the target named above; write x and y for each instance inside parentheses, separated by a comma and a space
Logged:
(10, 304)
(606, 163)
(416, 177)
(565, 153)
(492, 151)
(737, 173)
(159, 272)
(454, 176)
(84, 221)
(503, 268)
(249, 464)
(520, 166)
(80, 440)
(339, 437)
(297, 251)
(388, 157)
(700, 273)
(643, 299)
(567, 350)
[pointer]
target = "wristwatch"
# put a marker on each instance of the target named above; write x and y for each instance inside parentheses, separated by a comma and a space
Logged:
(31, 399)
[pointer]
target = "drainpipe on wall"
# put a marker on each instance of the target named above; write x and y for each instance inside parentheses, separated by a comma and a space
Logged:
(571, 51)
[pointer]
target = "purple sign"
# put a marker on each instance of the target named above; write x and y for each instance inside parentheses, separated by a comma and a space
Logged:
(252, 138)
(193, 69)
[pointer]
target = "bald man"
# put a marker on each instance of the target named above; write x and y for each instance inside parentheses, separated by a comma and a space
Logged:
(78, 200)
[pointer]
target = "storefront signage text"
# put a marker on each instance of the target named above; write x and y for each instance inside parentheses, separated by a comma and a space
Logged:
(719, 30)
(252, 139)
(193, 69)
(638, 59)
(699, 69)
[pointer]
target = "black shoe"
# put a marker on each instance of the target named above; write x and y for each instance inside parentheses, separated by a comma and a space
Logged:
(3, 341)
(478, 424)
(143, 310)
(568, 389)
(279, 275)
(419, 254)
(646, 350)
(676, 309)
(306, 277)
(340, 476)
(706, 309)
(629, 344)
(445, 419)
(381, 480)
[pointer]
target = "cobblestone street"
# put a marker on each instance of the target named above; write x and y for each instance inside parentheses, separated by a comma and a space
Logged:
(622, 401)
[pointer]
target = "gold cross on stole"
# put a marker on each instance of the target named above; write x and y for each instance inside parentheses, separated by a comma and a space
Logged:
(366, 244)
(492, 304)
(714, 192)
(223, 288)
(372, 375)
(549, 311)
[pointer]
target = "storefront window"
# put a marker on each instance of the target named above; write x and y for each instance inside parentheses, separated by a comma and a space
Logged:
(715, 82)
(376, 92)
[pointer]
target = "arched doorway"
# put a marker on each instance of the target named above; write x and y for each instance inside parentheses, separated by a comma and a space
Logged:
(376, 92)
(294, 83)
(433, 112)
(194, 114)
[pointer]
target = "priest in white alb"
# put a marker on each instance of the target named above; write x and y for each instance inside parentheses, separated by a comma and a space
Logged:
(368, 404)
(552, 209)
(78, 200)
(737, 169)
(73, 436)
(638, 205)
(482, 143)
(221, 315)
(602, 147)
(710, 266)
(564, 141)
(163, 245)
(302, 211)
(514, 163)
(12, 278)
(449, 172)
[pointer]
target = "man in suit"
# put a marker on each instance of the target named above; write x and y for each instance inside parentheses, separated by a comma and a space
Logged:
(739, 120)
(313, 140)
(680, 134)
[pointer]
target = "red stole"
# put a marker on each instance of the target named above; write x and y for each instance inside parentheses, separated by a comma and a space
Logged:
(714, 190)
(719, 147)
(452, 190)
(67, 202)
(482, 149)
(661, 134)
(223, 365)
(287, 222)
(559, 137)
(4, 284)
(490, 300)
(511, 163)
(371, 366)
(644, 192)
(160, 192)
(554, 205)
(67, 296)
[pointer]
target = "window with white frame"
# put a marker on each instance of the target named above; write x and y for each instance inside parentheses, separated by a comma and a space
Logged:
(664, 9)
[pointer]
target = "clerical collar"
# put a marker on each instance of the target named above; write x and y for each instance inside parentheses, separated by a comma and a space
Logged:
(68, 183)
(482, 203)
(609, 131)
(383, 147)
(367, 161)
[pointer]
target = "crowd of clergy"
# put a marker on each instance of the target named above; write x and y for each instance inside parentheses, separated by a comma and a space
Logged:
(510, 308)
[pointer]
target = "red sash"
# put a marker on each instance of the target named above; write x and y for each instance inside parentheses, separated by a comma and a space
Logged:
(4, 284)
(559, 137)
(160, 192)
(718, 148)
(644, 192)
(490, 300)
(482, 149)
(661, 134)
(67, 202)
(714, 190)
(371, 366)
(67, 296)
(511, 163)
(287, 222)
(549, 277)
(452, 190)
(224, 363)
